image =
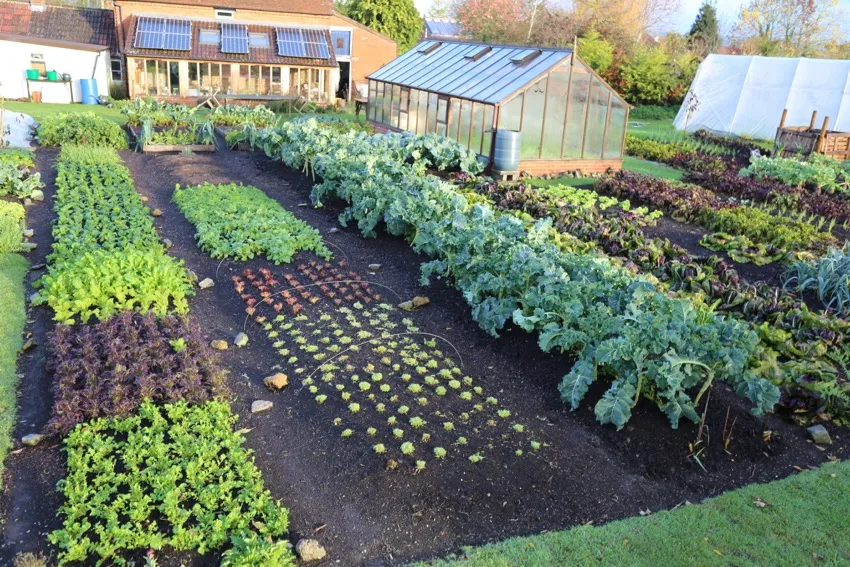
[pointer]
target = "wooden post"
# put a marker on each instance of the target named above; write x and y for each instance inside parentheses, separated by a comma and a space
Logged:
(822, 135)
(784, 116)
(814, 117)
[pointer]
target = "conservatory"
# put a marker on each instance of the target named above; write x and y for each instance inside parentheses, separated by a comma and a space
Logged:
(568, 117)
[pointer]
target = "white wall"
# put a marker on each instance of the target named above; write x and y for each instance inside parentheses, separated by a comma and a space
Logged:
(79, 64)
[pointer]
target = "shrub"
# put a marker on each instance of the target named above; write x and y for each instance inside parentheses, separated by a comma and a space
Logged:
(646, 76)
(108, 369)
(84, 128)
(12, 226)
(654, 112)
(176, 476)
(237, 221)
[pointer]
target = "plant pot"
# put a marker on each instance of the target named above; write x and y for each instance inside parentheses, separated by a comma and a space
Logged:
(36, 96)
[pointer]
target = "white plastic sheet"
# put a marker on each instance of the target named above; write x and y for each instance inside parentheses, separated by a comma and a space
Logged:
(745, 95)
(19, 127)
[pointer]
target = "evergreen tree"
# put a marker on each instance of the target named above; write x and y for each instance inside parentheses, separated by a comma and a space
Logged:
(704, 36)
(397, 19)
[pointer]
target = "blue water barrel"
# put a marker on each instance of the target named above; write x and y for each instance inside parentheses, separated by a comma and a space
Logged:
(88, 91)
(506, 150)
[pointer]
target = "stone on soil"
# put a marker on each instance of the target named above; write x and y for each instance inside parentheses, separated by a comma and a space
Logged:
(310, 550)
(241, 340)
(156, 213)
(374, 267)
(29, 233)
(277, 381)
(219, 344)
(206, 283)
(819, 435)
(258, 406)
(32, 439)
(414, 303)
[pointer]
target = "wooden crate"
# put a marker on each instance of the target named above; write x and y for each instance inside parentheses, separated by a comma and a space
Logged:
(793, 141)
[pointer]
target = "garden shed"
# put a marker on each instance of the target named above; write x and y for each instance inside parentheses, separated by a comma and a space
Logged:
(568, 117)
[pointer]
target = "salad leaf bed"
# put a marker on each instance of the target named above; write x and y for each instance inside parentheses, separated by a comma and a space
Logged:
(109, 368)
(241, 222)
(107, 256)
(175, 476)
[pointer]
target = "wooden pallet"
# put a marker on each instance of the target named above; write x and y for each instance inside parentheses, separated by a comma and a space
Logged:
(506, 175)
(164, 148)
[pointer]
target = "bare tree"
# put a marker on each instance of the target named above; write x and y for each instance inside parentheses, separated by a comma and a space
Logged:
(788, 27)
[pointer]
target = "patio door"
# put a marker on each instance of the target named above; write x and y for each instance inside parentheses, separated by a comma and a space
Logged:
(442, 114)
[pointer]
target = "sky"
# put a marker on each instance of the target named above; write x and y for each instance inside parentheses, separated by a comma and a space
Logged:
(727, 12)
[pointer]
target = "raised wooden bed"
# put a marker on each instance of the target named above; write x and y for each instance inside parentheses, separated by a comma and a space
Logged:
(792, 141)
(168, 148)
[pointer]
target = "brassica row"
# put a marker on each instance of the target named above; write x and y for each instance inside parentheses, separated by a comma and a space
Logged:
(615, 324)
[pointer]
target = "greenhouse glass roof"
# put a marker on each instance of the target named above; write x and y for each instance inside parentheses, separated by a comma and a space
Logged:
(470, 70)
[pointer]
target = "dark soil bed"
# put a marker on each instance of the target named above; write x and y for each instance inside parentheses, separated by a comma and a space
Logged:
(339, 490)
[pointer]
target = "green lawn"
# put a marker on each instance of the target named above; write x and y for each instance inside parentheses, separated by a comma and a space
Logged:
(40, 110)
(801, 520)
(12, 270)
(651, 168)
(654, 128)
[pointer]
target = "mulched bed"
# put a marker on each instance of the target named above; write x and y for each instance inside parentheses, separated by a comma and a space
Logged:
(338, 490)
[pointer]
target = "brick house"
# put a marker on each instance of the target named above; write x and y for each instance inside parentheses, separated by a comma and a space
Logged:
(248, 49)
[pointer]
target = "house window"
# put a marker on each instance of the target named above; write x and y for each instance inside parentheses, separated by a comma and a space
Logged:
(209, 37)
(260, 40)
(116, 67)
(223, 14)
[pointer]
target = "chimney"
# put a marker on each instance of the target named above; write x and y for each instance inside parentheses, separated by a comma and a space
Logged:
(37, 5)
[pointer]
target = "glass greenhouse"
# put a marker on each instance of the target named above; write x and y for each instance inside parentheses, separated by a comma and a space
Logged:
(568, 116)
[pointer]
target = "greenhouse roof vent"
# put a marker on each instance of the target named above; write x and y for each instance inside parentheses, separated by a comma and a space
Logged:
(480, 53)
(429, 47)
(524, 57)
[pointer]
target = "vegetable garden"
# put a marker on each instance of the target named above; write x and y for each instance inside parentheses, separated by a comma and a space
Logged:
(358, 339)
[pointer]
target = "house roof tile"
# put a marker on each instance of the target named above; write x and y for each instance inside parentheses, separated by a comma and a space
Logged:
(321, 7)
(56, 23)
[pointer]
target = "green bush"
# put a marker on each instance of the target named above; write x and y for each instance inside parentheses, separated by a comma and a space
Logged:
(176, 476)
(12, 226)
(646, 76)
(84, 128)
(654, 112)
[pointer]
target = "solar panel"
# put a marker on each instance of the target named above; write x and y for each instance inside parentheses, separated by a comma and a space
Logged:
(163, 33)
(234, 38)
(297, 42)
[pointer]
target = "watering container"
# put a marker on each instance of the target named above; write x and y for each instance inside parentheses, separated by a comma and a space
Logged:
(506, 150)
(52, 76)
(32, 74)
(88, 91)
